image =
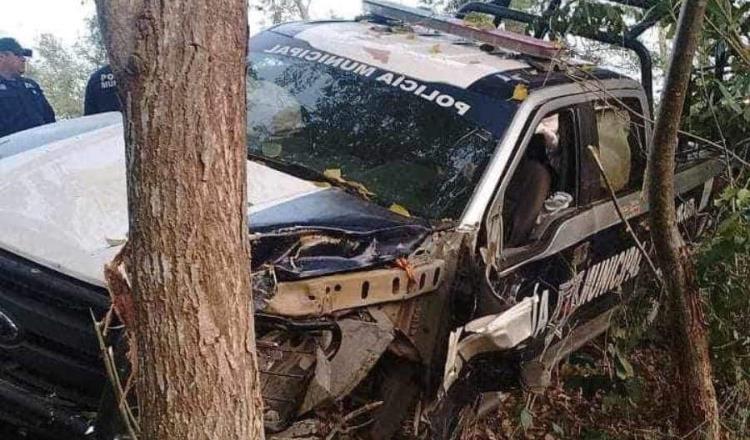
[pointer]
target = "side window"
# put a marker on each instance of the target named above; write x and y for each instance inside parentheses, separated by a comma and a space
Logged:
(545, 179)
(621, 148)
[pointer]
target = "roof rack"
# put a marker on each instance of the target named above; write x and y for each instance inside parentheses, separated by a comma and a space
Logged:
(511, 41)
(628, 40)
(532, 46)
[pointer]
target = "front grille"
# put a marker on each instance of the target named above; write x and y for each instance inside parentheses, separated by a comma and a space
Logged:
(287, 355)
(48, 347)
(50, 367)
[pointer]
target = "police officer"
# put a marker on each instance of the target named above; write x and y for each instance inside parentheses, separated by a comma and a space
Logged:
(22, 102)
(101, 93)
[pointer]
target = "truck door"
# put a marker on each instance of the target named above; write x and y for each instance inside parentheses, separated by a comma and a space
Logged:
(577, 255)
(608, 258)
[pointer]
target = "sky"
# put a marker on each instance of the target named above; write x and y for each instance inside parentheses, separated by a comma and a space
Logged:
(26, 19)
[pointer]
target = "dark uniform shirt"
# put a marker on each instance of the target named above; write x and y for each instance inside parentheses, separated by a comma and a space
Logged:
(22, 105)
(101, 93)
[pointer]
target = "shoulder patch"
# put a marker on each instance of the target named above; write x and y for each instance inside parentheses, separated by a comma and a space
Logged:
(30, 84)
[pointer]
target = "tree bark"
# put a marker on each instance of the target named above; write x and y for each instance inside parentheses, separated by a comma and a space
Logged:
(699, 416)
(180, 68)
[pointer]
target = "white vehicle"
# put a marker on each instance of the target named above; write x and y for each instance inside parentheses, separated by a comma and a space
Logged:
(428, 223)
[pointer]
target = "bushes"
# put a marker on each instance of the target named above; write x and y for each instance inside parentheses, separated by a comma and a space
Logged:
(724, 274)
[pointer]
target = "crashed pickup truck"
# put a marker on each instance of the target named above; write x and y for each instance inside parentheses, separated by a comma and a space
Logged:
(432, 217)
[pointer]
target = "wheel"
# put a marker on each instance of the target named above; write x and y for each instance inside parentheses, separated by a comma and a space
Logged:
(452, 417)
(398, 388)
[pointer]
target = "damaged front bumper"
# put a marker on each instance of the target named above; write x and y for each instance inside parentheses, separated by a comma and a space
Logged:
(305, 365)
(308, 364)
(493, 333)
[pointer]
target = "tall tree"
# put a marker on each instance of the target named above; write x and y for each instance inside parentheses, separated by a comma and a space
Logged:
(90, 47)
(180, 68)
(62, 74)
(699, 416)
(280, 11)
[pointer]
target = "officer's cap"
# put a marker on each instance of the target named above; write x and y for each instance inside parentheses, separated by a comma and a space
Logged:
(11, 45)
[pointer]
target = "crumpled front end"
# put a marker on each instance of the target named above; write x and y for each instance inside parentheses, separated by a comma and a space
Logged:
(305, 365)
(487, 334)
(339, 282)
(320, 338)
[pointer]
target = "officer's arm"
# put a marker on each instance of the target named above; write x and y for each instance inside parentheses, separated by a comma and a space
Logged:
(8, 109)
(49, 112)
(4, 126)
(89, 101)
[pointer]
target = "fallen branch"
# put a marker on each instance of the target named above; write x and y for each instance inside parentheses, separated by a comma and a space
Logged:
(131, 424)
(628, 228)
(121, 304)
(342, 428)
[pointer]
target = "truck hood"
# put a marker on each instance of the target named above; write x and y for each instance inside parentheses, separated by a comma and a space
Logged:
(63, 204)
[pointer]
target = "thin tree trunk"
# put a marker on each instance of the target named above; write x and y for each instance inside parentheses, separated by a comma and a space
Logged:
(181, 71)
(699, 417)
(303, 7)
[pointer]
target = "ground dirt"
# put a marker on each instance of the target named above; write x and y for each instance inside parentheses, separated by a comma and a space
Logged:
(589, 400)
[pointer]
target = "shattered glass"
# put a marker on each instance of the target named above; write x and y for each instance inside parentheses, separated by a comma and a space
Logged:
(400, 147)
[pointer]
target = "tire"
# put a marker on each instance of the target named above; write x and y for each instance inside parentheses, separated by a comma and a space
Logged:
(452, 418)
(398, 390)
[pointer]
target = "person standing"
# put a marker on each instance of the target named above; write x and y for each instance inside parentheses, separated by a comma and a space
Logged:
(101, 93)
(22, 102)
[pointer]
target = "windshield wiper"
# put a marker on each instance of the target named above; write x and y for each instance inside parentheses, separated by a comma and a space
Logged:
(312, 174)
(296, 170)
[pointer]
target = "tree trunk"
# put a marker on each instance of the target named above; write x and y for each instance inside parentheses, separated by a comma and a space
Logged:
(303, 7)
(699, 417)
(180, 68)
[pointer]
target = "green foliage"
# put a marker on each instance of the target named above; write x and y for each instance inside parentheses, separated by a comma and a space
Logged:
(282, 11)
(720, 109)
(451, 6)
(724, 272)
(62, 74)
(63, 70)
(447, 6)
(733, 233)
(586, 16)
(526, 418)
(557, 429)
(91, 47)
(719, 102)
(479, 21)
(623, 368)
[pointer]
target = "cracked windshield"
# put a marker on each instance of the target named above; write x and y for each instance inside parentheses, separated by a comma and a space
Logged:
(390, 146)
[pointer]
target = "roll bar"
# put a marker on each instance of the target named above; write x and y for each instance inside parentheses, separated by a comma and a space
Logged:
(628, 40)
